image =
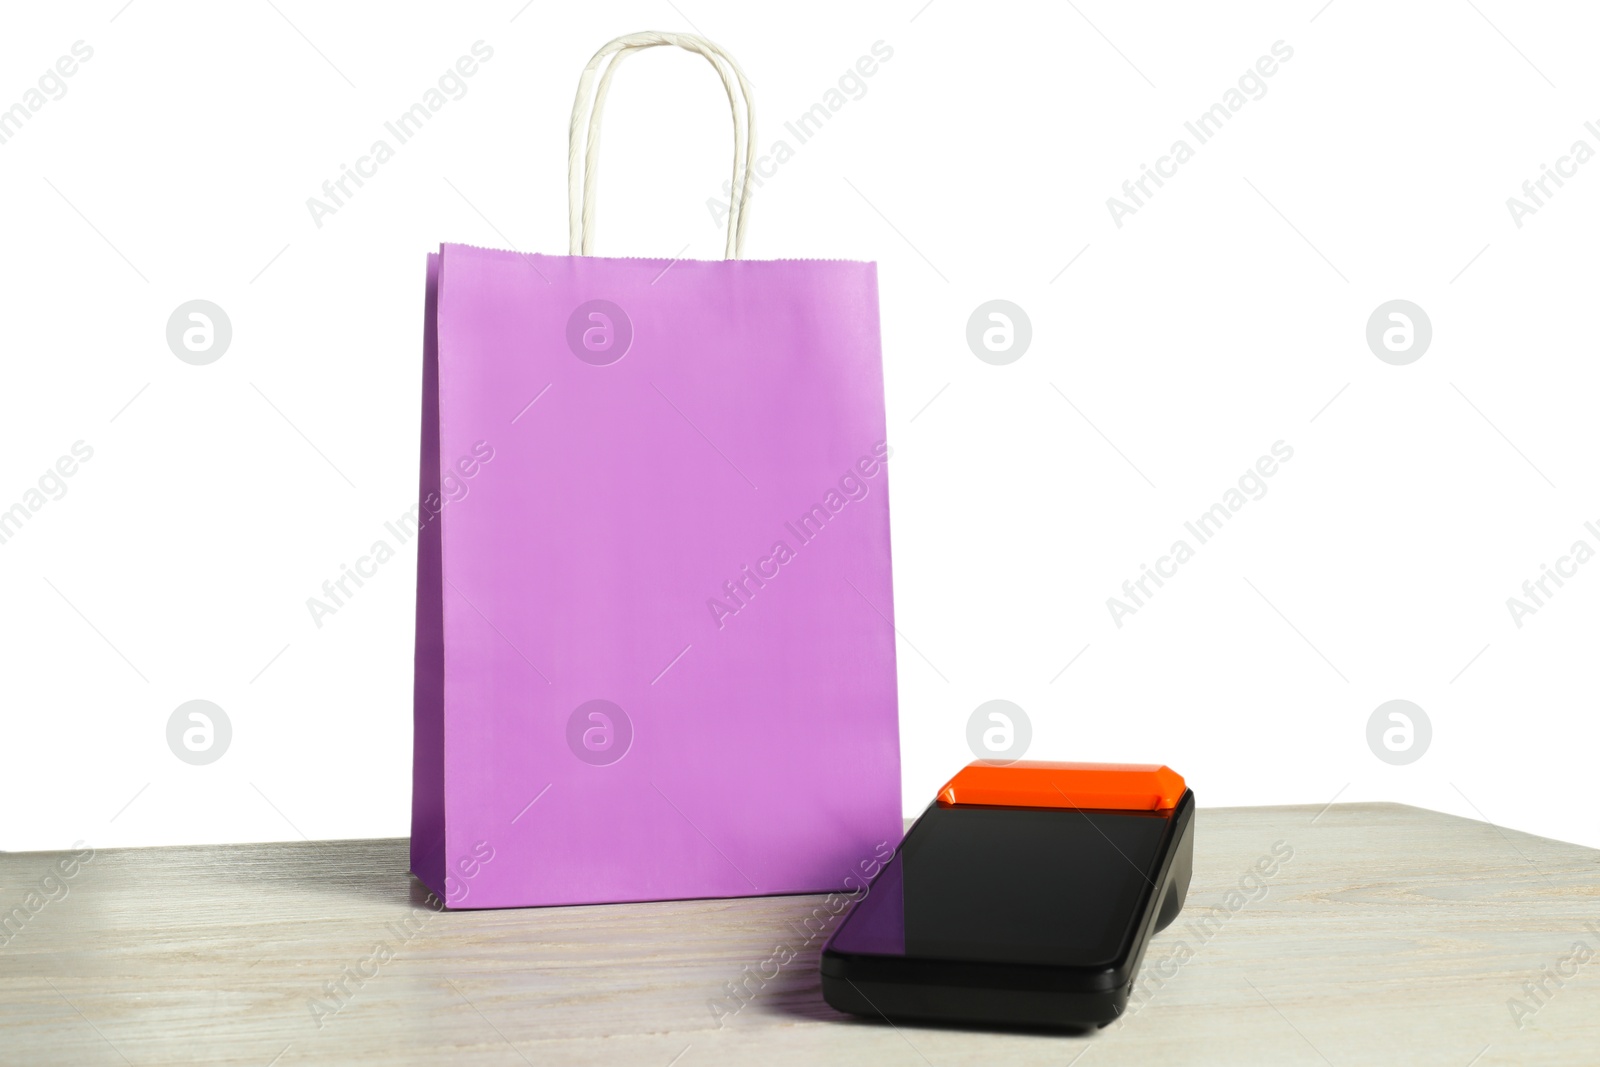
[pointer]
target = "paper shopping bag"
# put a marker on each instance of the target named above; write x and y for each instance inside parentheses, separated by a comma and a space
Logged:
(655, 648)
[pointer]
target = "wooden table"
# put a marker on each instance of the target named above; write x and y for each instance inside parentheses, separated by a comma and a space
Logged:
(1391, 935)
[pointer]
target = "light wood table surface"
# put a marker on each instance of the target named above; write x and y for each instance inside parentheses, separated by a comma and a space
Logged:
(1392, 935)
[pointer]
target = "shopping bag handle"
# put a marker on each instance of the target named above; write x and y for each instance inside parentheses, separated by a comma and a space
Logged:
(582, 177)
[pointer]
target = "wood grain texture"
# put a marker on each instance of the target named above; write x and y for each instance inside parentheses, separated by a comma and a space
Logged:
(1391, 935)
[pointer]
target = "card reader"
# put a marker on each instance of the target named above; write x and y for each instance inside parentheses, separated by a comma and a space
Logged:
(1025, 895)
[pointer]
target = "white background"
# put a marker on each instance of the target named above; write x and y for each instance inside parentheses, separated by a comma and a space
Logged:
(1227, 314)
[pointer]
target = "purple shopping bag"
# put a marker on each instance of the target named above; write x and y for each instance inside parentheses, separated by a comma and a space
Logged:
(655, 648)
